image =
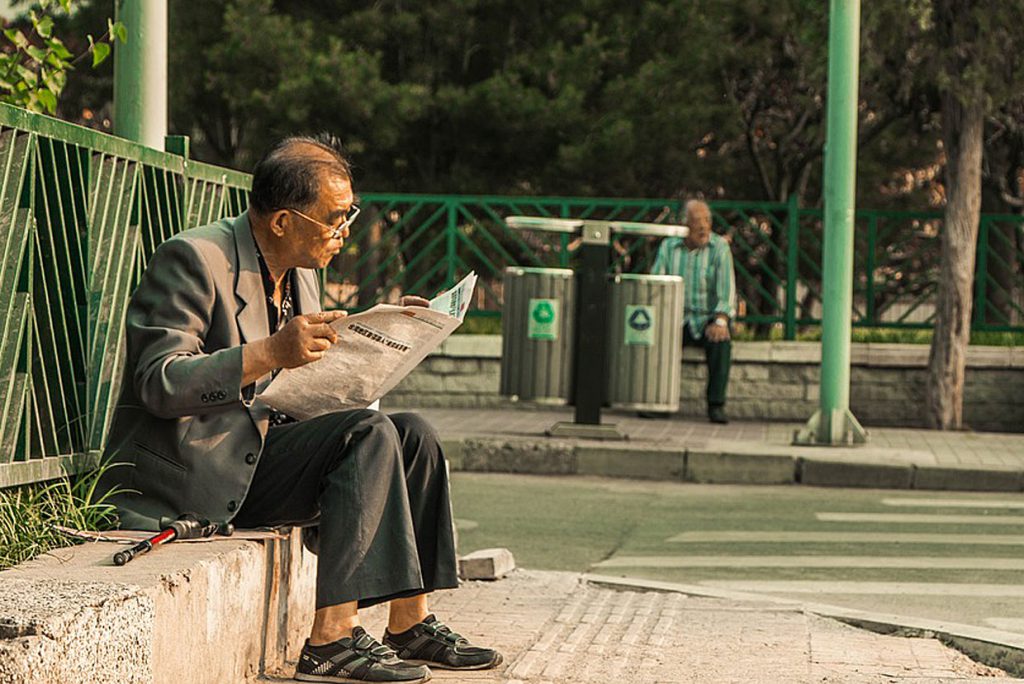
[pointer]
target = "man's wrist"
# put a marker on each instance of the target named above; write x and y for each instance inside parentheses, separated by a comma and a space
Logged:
(721, 320)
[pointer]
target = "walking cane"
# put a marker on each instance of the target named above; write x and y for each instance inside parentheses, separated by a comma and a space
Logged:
(187, 526)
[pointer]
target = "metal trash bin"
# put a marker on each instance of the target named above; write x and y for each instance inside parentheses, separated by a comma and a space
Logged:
(537, 324)
(645, 339)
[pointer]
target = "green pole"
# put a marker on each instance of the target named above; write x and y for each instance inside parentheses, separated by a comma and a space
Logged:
(833, 423)
(140, 73)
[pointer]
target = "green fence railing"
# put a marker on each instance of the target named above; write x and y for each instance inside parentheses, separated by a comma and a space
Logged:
(423, 243)
(80, 214)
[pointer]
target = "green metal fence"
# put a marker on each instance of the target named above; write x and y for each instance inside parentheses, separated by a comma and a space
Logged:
(80, 214)
(423, 243)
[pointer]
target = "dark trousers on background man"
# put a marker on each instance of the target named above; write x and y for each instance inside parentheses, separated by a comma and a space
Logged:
(719, 358)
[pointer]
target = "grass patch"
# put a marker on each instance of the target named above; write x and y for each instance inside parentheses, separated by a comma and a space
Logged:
(29, 515)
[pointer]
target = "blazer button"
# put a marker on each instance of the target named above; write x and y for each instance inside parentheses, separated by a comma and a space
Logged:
(232, 506)
(250, 458)
(205, 398)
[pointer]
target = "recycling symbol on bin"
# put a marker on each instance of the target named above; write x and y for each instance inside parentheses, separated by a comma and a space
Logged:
(543, 312)
(640, 320)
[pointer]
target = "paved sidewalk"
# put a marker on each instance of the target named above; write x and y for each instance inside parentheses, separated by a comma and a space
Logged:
(557, 627)
(756, 452)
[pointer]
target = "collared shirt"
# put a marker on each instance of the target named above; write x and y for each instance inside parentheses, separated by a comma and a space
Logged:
(708, 279)
(277, 319)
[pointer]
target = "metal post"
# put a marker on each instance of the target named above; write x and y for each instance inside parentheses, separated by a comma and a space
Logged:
(140, 73)
(834, 423)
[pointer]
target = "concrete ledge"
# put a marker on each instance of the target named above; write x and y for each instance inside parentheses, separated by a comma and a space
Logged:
(632, 463)
(738, 468)
(824, 473)
(76, 617)
(724, 463)
(969, 479)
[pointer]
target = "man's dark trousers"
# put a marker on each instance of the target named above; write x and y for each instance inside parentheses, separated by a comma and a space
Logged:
(377, 487)
(719, 358)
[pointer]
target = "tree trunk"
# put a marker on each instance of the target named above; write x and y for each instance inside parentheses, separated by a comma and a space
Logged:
(962, 128)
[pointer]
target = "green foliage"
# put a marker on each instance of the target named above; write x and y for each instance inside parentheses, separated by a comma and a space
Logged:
(31, 515)
(33, 68)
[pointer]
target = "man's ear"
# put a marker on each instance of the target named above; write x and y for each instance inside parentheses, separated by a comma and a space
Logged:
(280, 222)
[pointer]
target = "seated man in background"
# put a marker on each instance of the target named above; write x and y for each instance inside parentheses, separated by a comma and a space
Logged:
(219, 310)
(704, 261)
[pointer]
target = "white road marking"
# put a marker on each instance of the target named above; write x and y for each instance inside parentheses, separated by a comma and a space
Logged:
(735, 536)
(922, 518)
(880, 588)
(845, 562)
(953, 503)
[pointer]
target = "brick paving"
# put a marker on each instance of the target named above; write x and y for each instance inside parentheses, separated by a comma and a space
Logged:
(922, 447)
(554, 627)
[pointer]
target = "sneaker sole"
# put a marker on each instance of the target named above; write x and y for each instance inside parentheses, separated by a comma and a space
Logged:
(441, 666)
(348, 680)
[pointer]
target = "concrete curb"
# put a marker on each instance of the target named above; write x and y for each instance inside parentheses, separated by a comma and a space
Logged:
(75, 617)
(993, 647)
(739, 463)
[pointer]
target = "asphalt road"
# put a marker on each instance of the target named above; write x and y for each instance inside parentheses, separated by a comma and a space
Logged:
(947, 556)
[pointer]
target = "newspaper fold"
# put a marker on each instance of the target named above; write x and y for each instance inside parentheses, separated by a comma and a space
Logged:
(374, 351)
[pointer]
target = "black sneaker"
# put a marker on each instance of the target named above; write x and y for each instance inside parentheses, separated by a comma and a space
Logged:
(355, 659)
(716, 414)
(433, 643)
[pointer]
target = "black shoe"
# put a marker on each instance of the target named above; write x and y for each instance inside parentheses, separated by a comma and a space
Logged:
(716, 414)
(355, 659)
(661, 415)
(434, 644)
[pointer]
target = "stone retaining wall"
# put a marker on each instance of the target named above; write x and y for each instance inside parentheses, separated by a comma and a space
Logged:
(776, 381)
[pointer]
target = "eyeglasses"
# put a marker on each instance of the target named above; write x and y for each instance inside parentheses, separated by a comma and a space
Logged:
(353, 212)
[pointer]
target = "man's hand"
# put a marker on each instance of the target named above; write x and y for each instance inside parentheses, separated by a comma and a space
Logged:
(714, 332)
(413, 300)
(302, 340)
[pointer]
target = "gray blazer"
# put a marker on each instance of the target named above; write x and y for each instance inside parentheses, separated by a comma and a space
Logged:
(190, 437)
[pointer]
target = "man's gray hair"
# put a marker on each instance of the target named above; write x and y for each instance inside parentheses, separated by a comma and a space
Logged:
(289, 174)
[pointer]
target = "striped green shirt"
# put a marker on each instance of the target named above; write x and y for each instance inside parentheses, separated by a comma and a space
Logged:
(708, 278)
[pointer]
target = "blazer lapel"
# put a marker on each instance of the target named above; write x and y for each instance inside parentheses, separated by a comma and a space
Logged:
(253, 323)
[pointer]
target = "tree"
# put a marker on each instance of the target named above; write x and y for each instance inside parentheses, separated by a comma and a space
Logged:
(975, 75)
(33, 67)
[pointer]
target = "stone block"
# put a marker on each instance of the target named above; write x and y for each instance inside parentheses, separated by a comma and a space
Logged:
(883, 355)
(476, 383)
(754, 352)
(973, 478)
(989, 357)
(739, 468)
(825, 473)
(796, 352)
(754, 390)
(421, 380)
(475, 346)
(540, 458)
(486, 564)
(748, 371)
(794, 373)
(444, 365)
(812, 392)
(641, 464)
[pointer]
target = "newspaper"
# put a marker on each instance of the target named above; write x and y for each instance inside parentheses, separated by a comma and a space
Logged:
(374, 351)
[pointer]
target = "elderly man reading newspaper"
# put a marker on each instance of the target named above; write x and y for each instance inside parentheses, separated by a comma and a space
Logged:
(221, 310)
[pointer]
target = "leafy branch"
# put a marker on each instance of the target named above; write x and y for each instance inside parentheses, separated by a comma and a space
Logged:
(33, 71)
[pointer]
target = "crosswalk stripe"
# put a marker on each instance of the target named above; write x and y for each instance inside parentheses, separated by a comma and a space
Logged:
(922, 518)
(735, 536)
(953, 503)
(844, 562)
(881, 588)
